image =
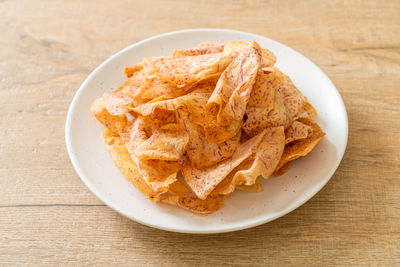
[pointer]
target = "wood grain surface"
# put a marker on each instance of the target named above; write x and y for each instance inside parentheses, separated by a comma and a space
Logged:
(47, 215)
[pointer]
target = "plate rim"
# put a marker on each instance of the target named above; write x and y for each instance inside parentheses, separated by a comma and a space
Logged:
(256, 222)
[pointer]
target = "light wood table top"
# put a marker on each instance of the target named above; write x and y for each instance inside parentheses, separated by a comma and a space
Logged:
(47, 215)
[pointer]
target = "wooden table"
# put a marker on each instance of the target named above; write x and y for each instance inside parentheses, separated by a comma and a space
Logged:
(49, 217)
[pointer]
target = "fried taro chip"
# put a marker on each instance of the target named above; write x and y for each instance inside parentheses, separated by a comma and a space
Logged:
(265, 159)
(153, 87)
(201, 49)
(131, 87)
(200, 151)
(189, 112)
(234, 87)
(288, 103)
(268, 58)
(228, 185)
(310, 110)
(117, 103)
(264, 98)
(284, 168)
(162, 116)
(177, 188)
(130, 70)
(227, 104)
(263, 162)
(181, 71)
(166, 143)
(158, 174)
(142, 86)
(136, 132)
(123, 161)
(218, 133)
(256, 187)
(299, 148)
(185, 70)
(307, 112)
(297, 131)
(194, 204)
(112, 122)
(293, 99)
(204, 181)
(194, 101)
(131, 93)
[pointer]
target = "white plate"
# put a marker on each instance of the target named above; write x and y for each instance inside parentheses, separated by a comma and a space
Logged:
(242, 210)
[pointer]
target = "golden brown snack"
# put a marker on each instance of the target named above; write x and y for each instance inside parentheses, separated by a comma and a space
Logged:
(201, 152)
(297, 131)
(177, 188)
(299, 148)
(194, 101)
(227, 104)
(159, 174)
(262, 163)
(204, 181)
(166, 143)
(112, 122)
(200, 49)
(123, 161)
(220, 114)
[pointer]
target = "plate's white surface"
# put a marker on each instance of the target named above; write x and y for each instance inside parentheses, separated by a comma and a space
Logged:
(281, 195)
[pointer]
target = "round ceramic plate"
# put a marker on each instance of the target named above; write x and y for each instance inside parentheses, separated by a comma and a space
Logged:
(85, 144)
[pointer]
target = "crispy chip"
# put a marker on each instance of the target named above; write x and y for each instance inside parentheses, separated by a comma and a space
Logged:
(201, 49)
(268, 58)
(287, 105)
(203, 181)
(301, 147)
(200, 151)
(104, 117)
(142, 86)
(220, 114)
(132, 86)
(117, 103)
(166, 143)
(123, 161)
(265, 159)
(312, 113)
(153, 87)
(162, 116)
(256, 187)
(307, 112)
(194, 204)
(297, 131)
(130, 71)
(159, 174)
(219, 134)
(177, 188)
(263, 162)
(194, 101)
(262, 101)
(186, 70)
(293, 98)
(285, 167)
(164, 108)
(227, 103)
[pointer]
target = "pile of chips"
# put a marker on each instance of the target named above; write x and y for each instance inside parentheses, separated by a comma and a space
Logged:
(189, 129)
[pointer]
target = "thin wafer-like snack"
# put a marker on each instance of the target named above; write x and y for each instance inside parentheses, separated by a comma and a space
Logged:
(189, 129)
